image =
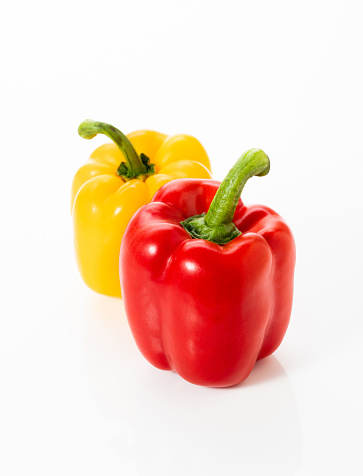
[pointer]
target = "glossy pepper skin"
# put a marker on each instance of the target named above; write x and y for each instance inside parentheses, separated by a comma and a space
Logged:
(205, 309)
(118, 179)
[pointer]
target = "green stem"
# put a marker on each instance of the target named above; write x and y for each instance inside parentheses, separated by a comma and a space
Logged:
(217, 225)
(136, 166)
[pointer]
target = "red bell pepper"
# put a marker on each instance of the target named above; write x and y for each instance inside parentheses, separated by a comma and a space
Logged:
(207, 282)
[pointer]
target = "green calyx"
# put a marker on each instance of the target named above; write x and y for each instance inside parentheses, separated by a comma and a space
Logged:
(217, 224)
(136, 166)
(197, 227)
(127, 173)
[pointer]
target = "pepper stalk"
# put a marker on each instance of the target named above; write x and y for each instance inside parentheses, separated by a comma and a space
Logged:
(136, 166)
(216, 225)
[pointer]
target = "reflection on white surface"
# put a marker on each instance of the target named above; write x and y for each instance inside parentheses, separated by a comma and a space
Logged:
(164, 425)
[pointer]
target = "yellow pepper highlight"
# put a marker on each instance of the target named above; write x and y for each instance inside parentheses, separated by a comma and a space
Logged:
(118, 179)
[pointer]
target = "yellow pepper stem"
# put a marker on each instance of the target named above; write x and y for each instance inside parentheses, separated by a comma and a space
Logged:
(136, 166)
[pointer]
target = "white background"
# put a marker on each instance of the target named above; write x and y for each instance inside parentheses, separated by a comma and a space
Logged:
(76, 396)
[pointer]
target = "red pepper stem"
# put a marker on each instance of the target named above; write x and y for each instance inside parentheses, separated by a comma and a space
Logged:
(136, 166)
(221, 210)
(217, 224)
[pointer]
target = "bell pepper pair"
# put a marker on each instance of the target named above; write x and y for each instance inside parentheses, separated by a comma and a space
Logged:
(207, 282)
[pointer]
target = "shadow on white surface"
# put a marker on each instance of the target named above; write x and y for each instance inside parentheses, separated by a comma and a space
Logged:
(164, 425)
(264, 371)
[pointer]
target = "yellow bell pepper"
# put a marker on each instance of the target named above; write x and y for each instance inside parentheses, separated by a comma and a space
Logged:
(119, 178)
